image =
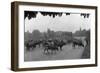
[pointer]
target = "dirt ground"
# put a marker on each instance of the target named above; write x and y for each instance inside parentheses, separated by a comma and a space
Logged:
(68, 52)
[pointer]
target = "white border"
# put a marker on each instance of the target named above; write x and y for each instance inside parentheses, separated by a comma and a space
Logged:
(33, 64)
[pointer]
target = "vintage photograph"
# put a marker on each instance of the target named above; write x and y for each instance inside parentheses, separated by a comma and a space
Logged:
(52, 36)
(56, 35)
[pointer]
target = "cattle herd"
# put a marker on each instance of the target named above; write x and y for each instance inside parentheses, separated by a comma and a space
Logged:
(52, 45)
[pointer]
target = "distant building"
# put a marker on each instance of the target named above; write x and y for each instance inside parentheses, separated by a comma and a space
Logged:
(67, 34)
(80, 32)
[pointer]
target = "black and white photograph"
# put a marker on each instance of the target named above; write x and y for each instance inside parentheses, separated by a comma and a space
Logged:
(52, 36)
(56, 35)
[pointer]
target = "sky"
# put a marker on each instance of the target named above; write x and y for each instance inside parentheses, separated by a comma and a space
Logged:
(70, 23)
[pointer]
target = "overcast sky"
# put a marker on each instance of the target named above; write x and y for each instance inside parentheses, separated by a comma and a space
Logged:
(70, 23)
